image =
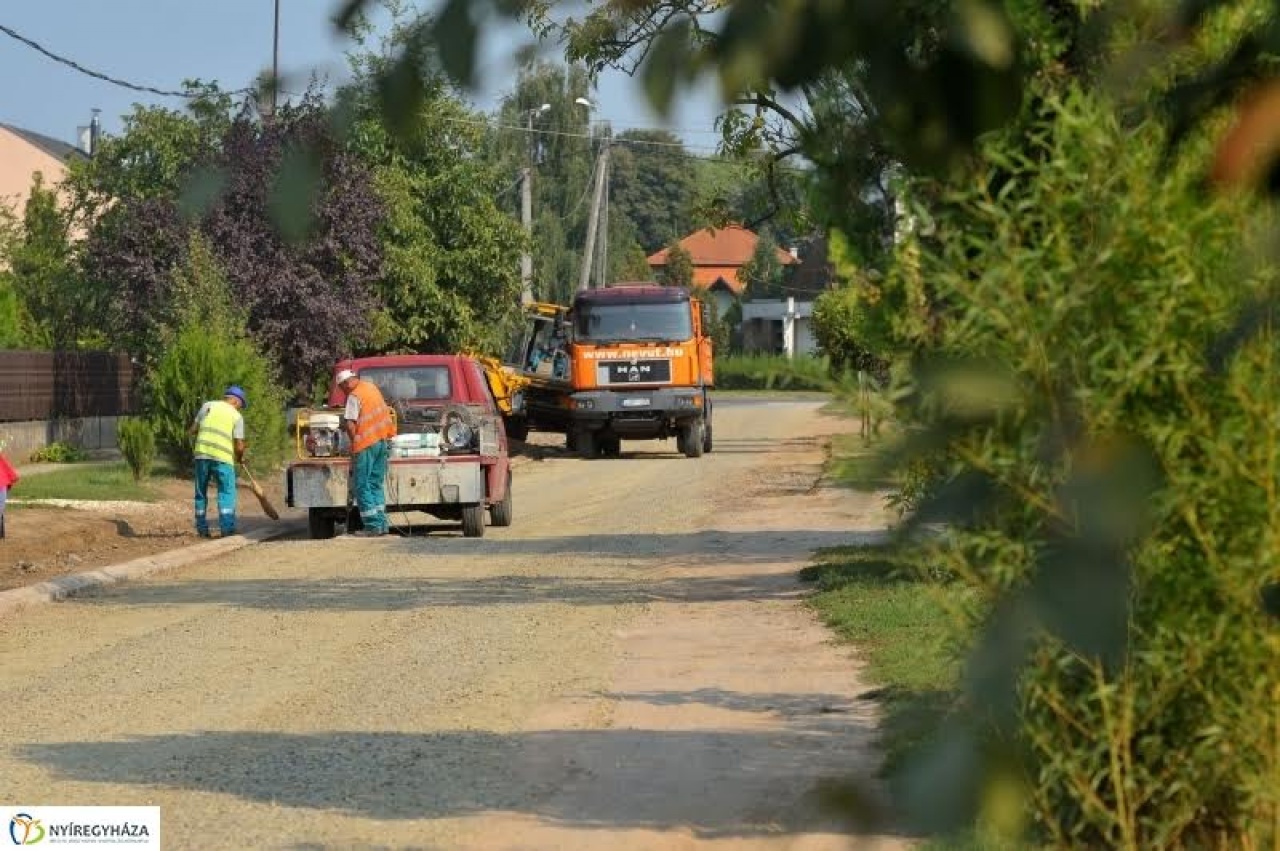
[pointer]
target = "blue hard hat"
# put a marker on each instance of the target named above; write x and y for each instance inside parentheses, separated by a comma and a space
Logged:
(234, 390)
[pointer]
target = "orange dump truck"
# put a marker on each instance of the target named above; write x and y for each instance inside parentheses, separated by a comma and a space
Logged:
(626, 361)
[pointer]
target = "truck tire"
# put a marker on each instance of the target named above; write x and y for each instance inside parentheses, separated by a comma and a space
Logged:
(706, 428)
(691, 437)
(585, 443)
(611, 446)
(320, 524)
(500, 512)
(473, 521)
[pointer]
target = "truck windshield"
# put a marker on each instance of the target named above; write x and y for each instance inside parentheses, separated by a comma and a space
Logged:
(409, 382)
(632, 322)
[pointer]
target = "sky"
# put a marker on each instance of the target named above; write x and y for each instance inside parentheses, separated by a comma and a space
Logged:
(159, 43)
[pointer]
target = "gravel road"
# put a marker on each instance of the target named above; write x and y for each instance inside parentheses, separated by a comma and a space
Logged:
(628, 666)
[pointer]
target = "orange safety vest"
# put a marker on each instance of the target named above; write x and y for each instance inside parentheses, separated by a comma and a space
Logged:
(375, 421)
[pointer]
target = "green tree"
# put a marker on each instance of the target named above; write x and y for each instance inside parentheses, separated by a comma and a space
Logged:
(651, 186)
(450, 278)
(210, 349)
(62, 310)
(763, 273)
(562, 151)
(678, 272)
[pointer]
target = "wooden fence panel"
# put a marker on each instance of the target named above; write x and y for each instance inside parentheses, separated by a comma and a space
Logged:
(57, 385)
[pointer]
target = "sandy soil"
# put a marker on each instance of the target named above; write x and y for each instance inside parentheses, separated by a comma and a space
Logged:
(45, 542)
(628, 666)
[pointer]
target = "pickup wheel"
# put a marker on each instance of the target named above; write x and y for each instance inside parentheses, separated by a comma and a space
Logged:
(500, 512)
(518, 428)
(690, 440)
(320, 524)
(473, 521)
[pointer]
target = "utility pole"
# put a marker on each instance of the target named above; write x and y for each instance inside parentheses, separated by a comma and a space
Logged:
(275, 61)
(603, 280)
(602, 165)
(526, 211)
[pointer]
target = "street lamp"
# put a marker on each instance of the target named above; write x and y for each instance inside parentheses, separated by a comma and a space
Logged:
(526, 212)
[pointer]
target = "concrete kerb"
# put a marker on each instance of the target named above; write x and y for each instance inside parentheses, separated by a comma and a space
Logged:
(68, 586)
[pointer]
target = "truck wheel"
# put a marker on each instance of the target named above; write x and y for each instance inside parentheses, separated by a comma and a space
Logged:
(500, 512)
(611, 447)
(473, 521)
(706, 428)
(518, 429)
(586, 444)
(691, 437)
(319, 524)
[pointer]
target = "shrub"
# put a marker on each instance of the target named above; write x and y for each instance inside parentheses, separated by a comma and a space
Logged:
(210, 351)
(1110, 490)
(137, 441)
(196, 368)
(58, 452)
(771, 372)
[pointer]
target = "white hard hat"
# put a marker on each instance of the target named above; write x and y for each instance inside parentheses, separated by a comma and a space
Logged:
(344, 374)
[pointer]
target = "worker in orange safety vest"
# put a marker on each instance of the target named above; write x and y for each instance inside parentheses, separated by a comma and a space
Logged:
(369, 425)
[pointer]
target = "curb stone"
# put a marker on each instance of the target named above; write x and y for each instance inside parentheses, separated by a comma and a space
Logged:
(63, 587)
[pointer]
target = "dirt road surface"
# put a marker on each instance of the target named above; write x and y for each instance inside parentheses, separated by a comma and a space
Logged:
(628, 666)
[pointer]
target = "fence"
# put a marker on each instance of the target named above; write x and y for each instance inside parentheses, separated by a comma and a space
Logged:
(66, 385)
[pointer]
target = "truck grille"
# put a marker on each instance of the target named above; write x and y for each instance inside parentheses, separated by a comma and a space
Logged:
(633, 372)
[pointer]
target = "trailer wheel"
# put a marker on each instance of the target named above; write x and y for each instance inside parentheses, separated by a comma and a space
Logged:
(473, 521)
(500, 512)
(691, 437)
(320, 524)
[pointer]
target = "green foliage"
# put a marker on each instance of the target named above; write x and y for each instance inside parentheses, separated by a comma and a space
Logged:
(763, 272)
(1109, 492)
(651, 186)
(58, 452)
(843, 322)
(717, 327)
(60, 308)
(137, 440)
(904, 624)
(209, 351)
(678, 271)
(771, 372)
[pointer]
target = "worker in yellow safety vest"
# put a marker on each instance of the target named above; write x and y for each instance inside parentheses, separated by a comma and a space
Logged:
(370, 426)
(219, 431)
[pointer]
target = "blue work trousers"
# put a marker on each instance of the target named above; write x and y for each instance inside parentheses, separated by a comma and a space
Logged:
(223, 476)
(369, 485)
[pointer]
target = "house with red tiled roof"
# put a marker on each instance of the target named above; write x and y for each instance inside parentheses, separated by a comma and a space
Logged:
(718, 256)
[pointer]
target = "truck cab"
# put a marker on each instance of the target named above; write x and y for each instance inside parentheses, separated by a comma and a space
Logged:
(449, 458)
(629, 361)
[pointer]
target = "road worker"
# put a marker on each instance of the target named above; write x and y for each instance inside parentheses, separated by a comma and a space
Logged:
(219, 431)
(370, 427)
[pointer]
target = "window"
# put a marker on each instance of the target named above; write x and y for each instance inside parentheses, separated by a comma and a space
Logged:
(410, 383)
(634, 322)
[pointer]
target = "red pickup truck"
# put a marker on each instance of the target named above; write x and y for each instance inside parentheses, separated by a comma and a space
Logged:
(449, 458)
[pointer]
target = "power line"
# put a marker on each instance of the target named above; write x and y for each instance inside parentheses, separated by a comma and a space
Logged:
(676, 149)
(115, 81)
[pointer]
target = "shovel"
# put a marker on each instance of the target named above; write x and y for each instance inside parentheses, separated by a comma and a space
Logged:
(260, 494)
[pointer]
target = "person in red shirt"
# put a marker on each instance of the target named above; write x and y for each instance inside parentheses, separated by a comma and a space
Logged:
(8, 478)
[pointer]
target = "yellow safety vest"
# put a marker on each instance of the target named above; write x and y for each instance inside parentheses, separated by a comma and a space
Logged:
(214, 439)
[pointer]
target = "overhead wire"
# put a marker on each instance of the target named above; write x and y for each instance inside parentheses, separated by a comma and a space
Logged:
(106, 78)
